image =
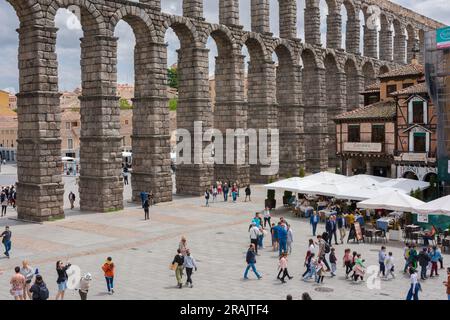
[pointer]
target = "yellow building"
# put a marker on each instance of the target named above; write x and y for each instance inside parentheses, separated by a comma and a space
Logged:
(4, 99)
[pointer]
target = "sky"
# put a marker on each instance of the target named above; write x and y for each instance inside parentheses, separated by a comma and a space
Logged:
(69, 33)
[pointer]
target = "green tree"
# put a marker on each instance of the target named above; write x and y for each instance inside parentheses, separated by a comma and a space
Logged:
(124, 104)
(173, 104)
(301, 172)
(172, 74)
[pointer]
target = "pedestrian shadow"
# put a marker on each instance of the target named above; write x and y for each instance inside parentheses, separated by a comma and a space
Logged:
(102, 294)
(171, 287)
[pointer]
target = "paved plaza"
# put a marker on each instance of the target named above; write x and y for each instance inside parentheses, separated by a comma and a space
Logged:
(217, 237)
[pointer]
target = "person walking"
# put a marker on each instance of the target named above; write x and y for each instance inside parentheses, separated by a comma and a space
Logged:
(424, 260)
(254, 236)
(146, 210)
(331, 229)
(341, 227)
(144, 196)
(333, 262)
(234, 192)
(207, 197)
(6, 240)
(183, 246)
(347, 259)
(39, 290)
(17, 285)
(28, 273)
(248, 193)
(415, 287)
(324, 248)
(189, 264)
(435, 256)
(72, 200)
(109, 269)
(226, 190)
(381, 260)
(289, 239)
(4, 202)
(125, 175)
(267, 216)
(447, 283)
(390, 266)
(282, 238)
(320, 270)
(359, 268)
(251, 261)
(314, 220)
(85, 283)
(282, 265)
(214, 193)
(61, 270)
(177, 266)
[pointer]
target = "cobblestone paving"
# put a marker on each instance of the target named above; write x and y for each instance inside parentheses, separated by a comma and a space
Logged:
(217, 237)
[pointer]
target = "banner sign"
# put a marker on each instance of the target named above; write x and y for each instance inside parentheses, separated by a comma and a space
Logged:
(443, 38)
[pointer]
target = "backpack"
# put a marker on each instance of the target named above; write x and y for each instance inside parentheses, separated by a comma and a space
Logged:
(327, 248)
(43, 292)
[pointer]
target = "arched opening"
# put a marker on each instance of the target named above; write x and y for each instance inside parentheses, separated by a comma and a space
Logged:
(324, 10)
(410, 175)
(274, 18)
(368, 73)
(211, 10)
(362, 24)
(353, 86)
(344, 23)
(383, 69)
(420, 55)
(300, 19)
(370, 36)
(245, 16)
(315, 117)
(335, 104)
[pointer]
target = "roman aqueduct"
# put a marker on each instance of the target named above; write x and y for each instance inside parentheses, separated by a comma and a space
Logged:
(300, 95)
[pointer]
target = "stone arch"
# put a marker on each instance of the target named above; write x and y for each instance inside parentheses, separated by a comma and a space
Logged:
(353, 98)
(368, 72)
(353, 30)
(370, 45)
(26, 10)
(185, 31)
(139, 21)
(384, 69)
(420, 55)
(223, 37)
(91, 19)
(256, 45)
(410, 175)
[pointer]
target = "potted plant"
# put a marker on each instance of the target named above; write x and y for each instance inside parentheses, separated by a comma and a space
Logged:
(395, 234)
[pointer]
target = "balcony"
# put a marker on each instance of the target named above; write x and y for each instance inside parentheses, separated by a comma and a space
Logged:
(364, 147)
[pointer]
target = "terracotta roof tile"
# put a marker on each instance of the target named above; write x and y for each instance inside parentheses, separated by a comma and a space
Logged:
(379, 110)
(372, 88)
(403, 71)
(418, 88)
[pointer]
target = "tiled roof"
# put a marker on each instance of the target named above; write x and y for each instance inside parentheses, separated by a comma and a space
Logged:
(418, 88)
(379, 110)
(372, 88)
(403, 71)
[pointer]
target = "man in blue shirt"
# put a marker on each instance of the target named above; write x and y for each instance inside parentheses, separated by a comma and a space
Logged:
(314, 220)
(282, 238)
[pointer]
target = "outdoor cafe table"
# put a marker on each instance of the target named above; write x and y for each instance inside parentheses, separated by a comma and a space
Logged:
(383, 223)
(410, 230)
